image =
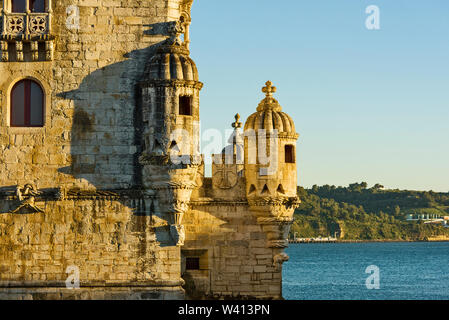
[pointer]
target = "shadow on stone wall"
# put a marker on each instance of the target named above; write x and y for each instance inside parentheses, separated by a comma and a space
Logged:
(107, 125)
(106, 135)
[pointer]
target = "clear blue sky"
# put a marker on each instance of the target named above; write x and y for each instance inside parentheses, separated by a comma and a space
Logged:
(370, 105)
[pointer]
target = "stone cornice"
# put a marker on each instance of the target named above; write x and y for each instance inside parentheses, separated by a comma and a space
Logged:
(59, 194)
(218, 202)
(171, 83)
(25, 38)
(284, 135)
(165, 160)
(173, 185)
(288, 202)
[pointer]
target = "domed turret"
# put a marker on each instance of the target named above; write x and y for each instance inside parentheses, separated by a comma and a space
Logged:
(270, 168)
(273, 173)
(170, 113)
(170, 94)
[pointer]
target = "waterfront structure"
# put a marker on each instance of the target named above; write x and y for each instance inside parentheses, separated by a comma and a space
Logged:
(98, 185)
(428, 218)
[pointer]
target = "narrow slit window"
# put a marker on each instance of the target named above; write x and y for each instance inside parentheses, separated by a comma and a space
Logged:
(289, 154)
(185, 105)
(27, 104)
(192, 263)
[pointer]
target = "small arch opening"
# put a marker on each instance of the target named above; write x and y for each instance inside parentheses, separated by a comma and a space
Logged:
(252, 189)
(265, 190)
(280, 189)
(174, 147)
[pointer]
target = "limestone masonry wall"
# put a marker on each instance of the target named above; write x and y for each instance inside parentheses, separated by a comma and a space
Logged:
(89, 133)
(109, 245)
(239, 264)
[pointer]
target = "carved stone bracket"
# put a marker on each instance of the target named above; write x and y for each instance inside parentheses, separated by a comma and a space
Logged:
(279, 259)
(167, 160)
(275, 215)
(177, 232)
(173, 185)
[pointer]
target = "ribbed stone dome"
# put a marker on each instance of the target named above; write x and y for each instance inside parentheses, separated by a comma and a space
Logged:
(175, 65)
(269, 115)
(172, 60)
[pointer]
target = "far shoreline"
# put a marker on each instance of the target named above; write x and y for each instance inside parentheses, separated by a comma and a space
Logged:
(369, 241)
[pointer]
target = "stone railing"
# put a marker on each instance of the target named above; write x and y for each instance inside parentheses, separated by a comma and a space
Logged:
(25, 25)
(29, 27)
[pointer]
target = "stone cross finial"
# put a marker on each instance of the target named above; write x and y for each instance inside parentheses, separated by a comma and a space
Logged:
(269, 89)
(237, 124)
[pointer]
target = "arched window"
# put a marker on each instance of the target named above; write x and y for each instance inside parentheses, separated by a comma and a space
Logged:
(27, 104)
(34, 5)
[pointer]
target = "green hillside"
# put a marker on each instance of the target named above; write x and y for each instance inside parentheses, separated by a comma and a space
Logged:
(357, 212)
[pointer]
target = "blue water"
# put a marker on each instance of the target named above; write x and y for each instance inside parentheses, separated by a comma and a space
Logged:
(336, 271)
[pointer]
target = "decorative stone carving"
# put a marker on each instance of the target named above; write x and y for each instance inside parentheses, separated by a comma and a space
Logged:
(61, 194)
(26, 195)
(4, 48)
(19, 50)
(15, 24)
(175, 29)
(27, 27)
(35, 50)
(275, 215)
(279, 259)
(173, 185)
(178, 234)
(26, 23)
(38, 24)
(225, 176)
(49, 48)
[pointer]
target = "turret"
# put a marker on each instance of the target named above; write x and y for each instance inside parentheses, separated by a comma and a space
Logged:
(270, 145)
(170, 113)
(170, 95)
(270, 167)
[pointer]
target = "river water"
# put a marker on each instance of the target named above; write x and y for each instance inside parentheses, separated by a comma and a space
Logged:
(338, 271)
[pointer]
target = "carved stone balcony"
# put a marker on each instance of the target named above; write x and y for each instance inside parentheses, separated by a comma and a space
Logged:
(26, 26)
(20, 28)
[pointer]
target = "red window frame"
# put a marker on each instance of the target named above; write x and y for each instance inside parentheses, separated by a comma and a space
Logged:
(27, 102)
